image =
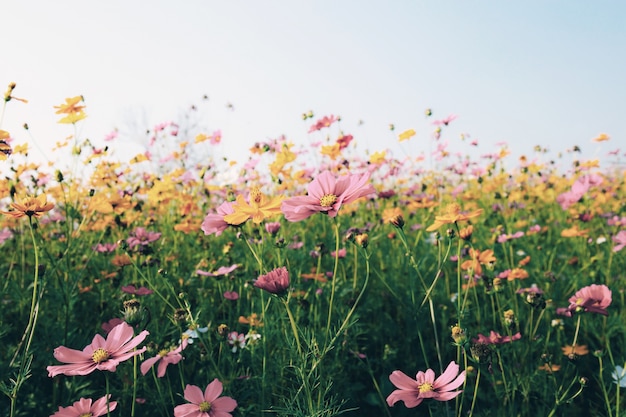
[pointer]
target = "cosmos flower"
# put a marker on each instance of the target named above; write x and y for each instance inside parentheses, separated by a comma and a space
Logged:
(495, 338)
(207, 404)
(275, 281)
(590, 299)
(164, 357)
(619, 376)
(452, 214)
(414, 391)
(141, 237)
(102, 354)
(30, 206)
(87, 407)
(326, 194)
(620, 241)
(258, 208)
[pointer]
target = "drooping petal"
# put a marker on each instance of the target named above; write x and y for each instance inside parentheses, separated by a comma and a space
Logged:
(410, 399)
(67, 355)
(147, 364)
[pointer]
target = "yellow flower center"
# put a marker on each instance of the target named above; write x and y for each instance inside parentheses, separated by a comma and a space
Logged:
(328, 200)
(425, 387)
(86, 415)
(163, 352)
(100, 355)
(205, 406)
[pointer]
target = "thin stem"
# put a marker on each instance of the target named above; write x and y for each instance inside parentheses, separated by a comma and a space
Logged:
(475, 394)
(294, 328)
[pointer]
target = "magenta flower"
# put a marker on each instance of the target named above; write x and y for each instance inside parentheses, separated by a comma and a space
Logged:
(495, 338)
(231, 295)
(214, 222)
(591, 299)
(275, 281)
(102, 354)
(105, 247)
(141, 237)
(414, 391)
(87, 407)
(205, 404)
(272, 227)
(131, 289)
(166, 357)
(326, 194)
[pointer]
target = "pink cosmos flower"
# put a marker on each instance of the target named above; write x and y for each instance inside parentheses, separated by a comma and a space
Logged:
(205, 404)
(495, 338)
(591, 299)
(414, 391)
(105, 247)
(326, 194)
(339, 254)
(236, 340)
(102, 354)
(620, 241)
(272, 227)
(275, 281)
(87, 407)
(5, 234)
(215, 223)
(325, 121)
(141, 237)
(166, 357)
(445, 121)
(231, 295)
(131, 289)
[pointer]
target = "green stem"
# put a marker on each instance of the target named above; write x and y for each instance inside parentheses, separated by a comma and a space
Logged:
(471, 413)
(333, 284)
(294, 328)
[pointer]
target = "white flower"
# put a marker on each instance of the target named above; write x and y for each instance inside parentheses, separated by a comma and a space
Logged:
(191, 333)
(619, 376)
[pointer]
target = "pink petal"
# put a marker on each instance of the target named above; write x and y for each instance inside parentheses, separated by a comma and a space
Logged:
(193, 394)
(71, 370)
(449, 374)
(213, 390)
(446, 396)
(223, 404)
(410, 399)
(323, 184)
(147, 364)
(188, 410)
(67, 355)
(454, 384)
(403, 381)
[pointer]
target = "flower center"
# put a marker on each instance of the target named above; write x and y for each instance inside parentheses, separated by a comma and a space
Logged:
(86, 415)
(425, 387)
(205, 406)
(328, 200)
(163, 352)
(100, 355)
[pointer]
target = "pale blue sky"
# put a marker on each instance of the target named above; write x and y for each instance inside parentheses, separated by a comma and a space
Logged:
(532, 72)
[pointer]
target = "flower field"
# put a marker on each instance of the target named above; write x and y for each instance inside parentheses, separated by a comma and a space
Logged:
(315, 281)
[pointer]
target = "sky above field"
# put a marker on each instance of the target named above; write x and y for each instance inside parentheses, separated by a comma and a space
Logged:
(547, 73)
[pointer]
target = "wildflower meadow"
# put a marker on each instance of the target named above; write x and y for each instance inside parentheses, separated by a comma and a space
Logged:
(310, 281)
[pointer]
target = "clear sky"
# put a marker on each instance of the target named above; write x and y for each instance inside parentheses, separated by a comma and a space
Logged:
(533, 72)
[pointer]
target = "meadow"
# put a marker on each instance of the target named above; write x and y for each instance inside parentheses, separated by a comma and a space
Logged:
(312, 283)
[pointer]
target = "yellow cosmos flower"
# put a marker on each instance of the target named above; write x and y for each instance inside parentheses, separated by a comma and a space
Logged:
(70, 106)
(574, 232)
(30, 206)
(73, 118)
(406, 135)
(378, 157)
(452, 214)
(334, 151)
(601, 137)
(258, 208)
